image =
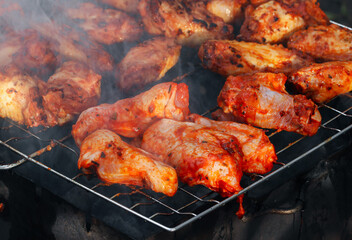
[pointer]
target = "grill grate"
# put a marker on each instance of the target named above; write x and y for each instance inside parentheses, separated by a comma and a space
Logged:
(190, 203)
(196, 201)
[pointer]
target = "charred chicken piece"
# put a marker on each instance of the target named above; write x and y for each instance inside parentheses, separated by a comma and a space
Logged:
(271, 22)
(148, 62)
(29, 51)
(258, 152)
(275, 21)
(130, 6)
(200, 155)
(130, 117)
(324, 43)
(322, 82)
(118, 162)
(188, 21)
(20, 100)
(105, 26)
(70, 90)
(74, 45)
(233, 57)
(229, 10)
(309, 10)
(259, 101)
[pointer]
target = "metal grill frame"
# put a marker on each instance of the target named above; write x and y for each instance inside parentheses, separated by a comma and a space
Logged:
(190, 216)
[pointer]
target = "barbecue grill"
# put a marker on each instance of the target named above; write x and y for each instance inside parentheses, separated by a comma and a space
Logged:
(48, 157)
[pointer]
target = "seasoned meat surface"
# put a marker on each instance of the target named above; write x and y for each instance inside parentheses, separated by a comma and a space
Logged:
(147, 62)
(130, 117)
(258, 100)
(324, 43)
(70, 90)
(234, 57)
(105, 26)
(271, 22)
(229, 10)
(321, 82)
(118, 162)
(258, 152)
(200, 155)
(188, 21)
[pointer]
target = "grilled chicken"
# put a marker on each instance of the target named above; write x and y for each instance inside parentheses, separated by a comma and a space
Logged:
(233, 58)
(105, 26)
(229, 10)
(200, 155)
(324, 43)
(271, 22)
(70, 90)
(258, 100)
(188, 21)
(19, 93)
(309, 10)
(130, 6)
(129, 117)
(74, 45)
(118, 162)
(29, 51)
(322, 82)
(148, 62)
(258, 152)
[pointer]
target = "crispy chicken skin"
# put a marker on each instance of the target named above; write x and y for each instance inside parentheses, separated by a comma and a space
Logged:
(258, 152)
(118, 162)
(259, 101)
(29, 51)
(147, 62)
(105, 26)
(324, 43)
(130, 6)
(20, 97)
(70, 90)
(309, 10)
(234, 57)
(130, 117)
(200, 155)
(229, 10)
(322, 82)
(271, 22)
(74, 45)
(188, 21)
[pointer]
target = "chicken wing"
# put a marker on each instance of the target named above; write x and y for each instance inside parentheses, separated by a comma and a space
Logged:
(105, 26)
(233, 57)
(258, 152)
(271, 22)
(20, 99)
(252, 99)
(322, 82)
(324, 43)
(129, 117)
(70, 90)
(130, 6)
(229, 10)
(118, 162)
(200, 155)
(309, 10)
(188, 21)
(148, 62)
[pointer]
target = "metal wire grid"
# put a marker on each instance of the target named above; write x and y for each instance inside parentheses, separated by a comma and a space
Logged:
(196, 201)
